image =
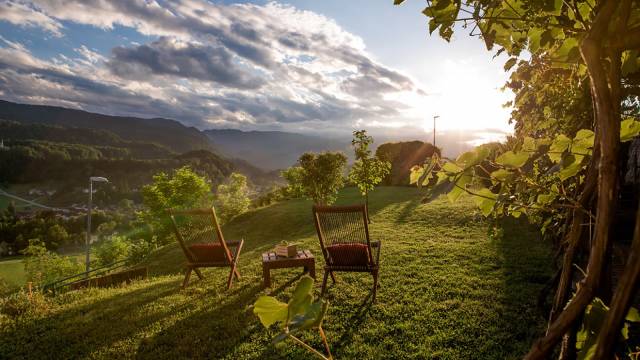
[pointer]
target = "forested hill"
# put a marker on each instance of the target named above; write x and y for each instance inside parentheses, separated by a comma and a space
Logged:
(271, 149)
(165, 132)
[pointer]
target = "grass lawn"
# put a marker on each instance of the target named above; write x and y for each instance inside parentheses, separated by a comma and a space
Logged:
(448, 291)
(12, 272)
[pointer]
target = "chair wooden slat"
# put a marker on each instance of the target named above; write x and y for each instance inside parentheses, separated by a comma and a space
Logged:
(343, 232)
(201, 226)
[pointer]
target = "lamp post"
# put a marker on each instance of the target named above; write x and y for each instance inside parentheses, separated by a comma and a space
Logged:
(434, 129)
(88, 239)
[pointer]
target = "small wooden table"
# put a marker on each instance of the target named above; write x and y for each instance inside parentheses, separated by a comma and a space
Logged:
(270, 261)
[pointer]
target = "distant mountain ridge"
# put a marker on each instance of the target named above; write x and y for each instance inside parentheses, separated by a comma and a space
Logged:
(169, 133)
(271, 150)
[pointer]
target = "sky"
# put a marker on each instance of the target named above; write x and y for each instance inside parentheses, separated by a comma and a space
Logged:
(322, 67)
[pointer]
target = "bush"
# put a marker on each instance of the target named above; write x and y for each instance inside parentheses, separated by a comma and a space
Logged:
(112, 249)
(140, 249)
(43, 266)
(23, 302)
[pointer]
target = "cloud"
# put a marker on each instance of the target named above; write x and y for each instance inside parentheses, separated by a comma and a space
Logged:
(175, 58)
(246, 66)
(28, 16)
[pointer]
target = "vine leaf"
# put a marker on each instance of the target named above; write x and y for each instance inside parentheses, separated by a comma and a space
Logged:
(629, 129)
(485, 200)
(512, 159)
(270, 310)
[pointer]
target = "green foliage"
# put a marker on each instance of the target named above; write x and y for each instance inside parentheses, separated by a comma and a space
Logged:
(322, 175)
(112, 249)
(43, 266)
(403, 156)
(23, 304)
(232, 197)
(294, 177)
(300, 313)
(537, 178)
(594, 316)
(184, 189)
(367, 171)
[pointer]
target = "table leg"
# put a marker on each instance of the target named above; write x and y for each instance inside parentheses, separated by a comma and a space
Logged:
(266, 275)
(312, 269)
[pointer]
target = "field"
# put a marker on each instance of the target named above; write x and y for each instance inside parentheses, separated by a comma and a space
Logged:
(448, 291)
(12, 272)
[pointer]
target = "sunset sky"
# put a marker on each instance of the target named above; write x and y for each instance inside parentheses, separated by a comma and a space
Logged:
(310, 66)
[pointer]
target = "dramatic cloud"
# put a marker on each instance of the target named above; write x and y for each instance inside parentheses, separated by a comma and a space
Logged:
(170, 57)
(24, 15)
(243, 66)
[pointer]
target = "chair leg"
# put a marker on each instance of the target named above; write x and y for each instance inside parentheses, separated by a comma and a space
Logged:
(231, 274)
(333, 278)
(186, 277)
(324, 282)
(197, 271)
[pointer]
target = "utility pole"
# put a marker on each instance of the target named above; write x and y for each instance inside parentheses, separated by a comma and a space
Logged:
(434, 129)
(88, 238)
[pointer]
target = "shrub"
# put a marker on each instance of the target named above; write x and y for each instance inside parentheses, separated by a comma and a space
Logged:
(23, 302)
(112, 249)
(140, 249)
(43, 266)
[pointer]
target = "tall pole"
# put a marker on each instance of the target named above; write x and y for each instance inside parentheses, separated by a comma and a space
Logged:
(434, 130)
(88, 239)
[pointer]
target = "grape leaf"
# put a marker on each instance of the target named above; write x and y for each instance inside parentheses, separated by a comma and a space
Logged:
(512, 159)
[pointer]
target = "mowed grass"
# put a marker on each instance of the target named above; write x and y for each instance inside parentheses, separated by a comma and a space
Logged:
(448, 291)
(12, 272)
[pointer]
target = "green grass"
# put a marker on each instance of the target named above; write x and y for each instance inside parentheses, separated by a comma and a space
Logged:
(448, 291)
(12, 272)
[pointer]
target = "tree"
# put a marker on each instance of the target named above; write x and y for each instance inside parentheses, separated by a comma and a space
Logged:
(322, 176)
(293, 176)
(57, 235)
(184, 189)
(232, 197)
(601, 41)
(367, 171)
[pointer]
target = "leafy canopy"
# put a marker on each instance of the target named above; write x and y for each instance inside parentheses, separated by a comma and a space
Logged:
(232, 197)
(367, 171)
(322, 176)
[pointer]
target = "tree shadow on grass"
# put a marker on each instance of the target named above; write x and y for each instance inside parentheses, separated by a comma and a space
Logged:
(209, 332)
(86, 328)
(526, 266)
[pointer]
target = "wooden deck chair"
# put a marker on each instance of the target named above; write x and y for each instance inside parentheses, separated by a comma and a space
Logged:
(200, 238)
(344, 238)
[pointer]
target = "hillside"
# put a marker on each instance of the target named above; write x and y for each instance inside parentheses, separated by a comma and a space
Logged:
(448, 290)
(169, 133)
(271, 150)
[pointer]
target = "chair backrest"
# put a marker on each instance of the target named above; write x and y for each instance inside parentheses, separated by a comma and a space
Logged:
(198, 226)
(342, 225)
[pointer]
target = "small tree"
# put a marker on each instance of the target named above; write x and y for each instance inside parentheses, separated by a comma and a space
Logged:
(232, 198)
(322, 175)
(367, 171)
(185, 189)
(293, 176)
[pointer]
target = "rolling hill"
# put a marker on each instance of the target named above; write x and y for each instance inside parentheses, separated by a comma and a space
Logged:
(169, 133)
(271, 150)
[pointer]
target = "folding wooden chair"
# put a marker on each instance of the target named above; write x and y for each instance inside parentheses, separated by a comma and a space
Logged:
(344, 238)
(200, 237)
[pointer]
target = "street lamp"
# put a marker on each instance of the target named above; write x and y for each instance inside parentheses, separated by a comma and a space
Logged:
(88, 239)
(434, 129)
